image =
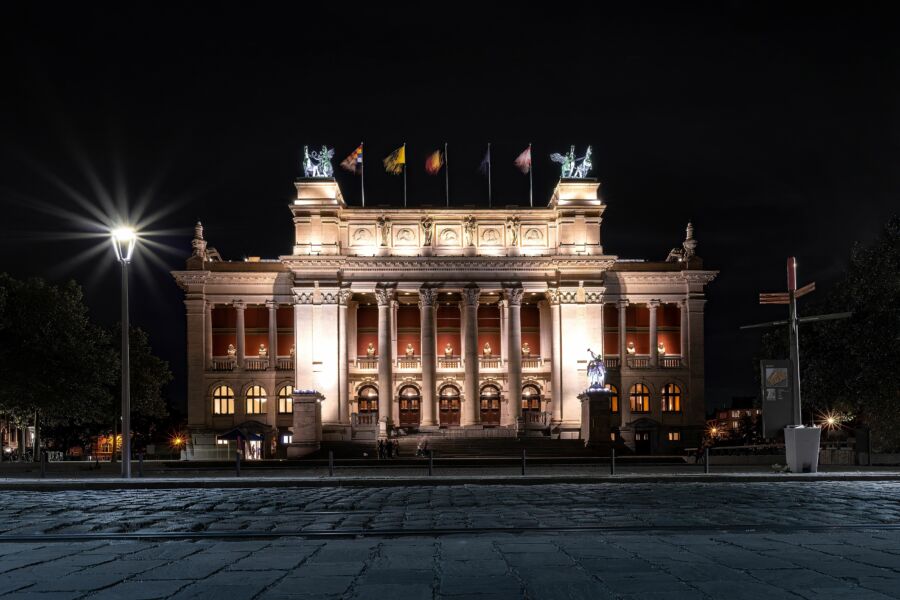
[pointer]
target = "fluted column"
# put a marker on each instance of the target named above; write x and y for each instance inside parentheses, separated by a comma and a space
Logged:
(427, 297)
(654, 334)
(207, 331)
(273, 334)
(624, 402)
(239, 307)
(623, 343)
(683, 307)
(471, 410)
(385, 297)
(556, 354)
(514, 347)
(343, 366)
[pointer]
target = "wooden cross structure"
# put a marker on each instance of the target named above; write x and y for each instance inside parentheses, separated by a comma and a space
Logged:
(790, 298)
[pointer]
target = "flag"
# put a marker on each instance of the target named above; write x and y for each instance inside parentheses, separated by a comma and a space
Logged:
(434, 162)
(524, 161)
(354, 161)
(485, 166)
(394, 163)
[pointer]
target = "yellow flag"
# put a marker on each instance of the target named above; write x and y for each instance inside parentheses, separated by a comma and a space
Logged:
(394, 163)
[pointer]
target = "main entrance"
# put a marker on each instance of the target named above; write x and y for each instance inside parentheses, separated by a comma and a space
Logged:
(367, 405)
(490, 405)
(449, 402)
(410, 401)
(531, 400)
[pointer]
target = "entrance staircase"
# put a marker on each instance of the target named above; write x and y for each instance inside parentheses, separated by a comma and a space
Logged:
(469, 447)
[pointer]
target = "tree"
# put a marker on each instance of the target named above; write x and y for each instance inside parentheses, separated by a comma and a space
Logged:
(55, 365)
(851, 366)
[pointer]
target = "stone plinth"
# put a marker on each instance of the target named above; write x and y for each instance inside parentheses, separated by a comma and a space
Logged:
(595, 413)
(307, 435)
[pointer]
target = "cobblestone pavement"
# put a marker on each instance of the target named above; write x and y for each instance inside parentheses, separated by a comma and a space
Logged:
(675, 540)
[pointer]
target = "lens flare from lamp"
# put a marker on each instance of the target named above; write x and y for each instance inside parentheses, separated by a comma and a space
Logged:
(124, 240)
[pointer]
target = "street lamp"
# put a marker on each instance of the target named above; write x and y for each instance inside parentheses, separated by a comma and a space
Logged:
(123, 241)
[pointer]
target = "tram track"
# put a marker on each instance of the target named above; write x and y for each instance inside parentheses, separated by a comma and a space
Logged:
(736, 528)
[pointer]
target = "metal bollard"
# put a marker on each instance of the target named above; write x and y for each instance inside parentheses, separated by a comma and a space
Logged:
(237, 463)
(43, 464)
(523, 461)
(140, 464)
(706, 461)
(331, 463)
(612, 461)
(430, 463)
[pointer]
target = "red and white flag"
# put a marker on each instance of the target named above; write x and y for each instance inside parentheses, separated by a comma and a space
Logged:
(523, 163)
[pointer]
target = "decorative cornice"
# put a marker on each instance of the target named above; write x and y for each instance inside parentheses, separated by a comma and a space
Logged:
(303, 296)
(448, 263)
(329, 296)
(568, 296)
(593, 297)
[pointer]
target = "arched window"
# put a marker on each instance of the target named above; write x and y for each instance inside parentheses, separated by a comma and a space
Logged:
(286, 400)
(531, 398)
(256, 400)
(223, 400)
(613, 398)
(367, 400)
(490, 397)
(639, 397)
(671, 398)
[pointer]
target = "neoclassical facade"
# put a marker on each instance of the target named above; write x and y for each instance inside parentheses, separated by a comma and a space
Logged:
(437, 319)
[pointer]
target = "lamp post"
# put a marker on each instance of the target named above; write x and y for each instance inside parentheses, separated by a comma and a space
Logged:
(123, 241)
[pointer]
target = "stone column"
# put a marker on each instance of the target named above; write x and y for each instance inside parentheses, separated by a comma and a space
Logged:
(654, 335)
(343, 365)
(556, 354)
(240, 306)
(471, 414)
(427, 297)
(504, 315)
(514, 346)
(207, 327)
(624, 402)
(623, 354)
(683, 307)
(385, 297)
(273, 334)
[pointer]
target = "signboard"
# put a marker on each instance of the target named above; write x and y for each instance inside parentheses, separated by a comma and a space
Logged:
(777, 395)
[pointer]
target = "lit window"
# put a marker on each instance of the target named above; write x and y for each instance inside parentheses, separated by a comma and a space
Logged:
(613, 398)
(256, 400)
(671, 398)
(285, 400)
(734, 424)
(223, 400)
(612, 436)
(735, 413)
(222, 442)
(287, 438)
(674, 436)
(639, 396)
(531, 398)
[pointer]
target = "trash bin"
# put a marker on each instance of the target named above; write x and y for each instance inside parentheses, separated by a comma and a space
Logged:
(801, 445)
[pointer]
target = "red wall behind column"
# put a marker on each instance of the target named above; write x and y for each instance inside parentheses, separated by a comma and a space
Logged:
(531, 328)
(224, 322)
(408, 326)
(489, 328)
(669, 327)
(610, 329)
(637, 326)
(366, 329)
(284, 317)
(448, 323)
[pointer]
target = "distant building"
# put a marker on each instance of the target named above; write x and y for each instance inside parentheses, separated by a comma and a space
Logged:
(728, 420)
(430, 319)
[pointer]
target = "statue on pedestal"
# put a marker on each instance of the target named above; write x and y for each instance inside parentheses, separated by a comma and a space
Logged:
(427, 230)
(232, 351)
(596, 372)
(487, 350)
(448, 350)
(526, 350)
(318, 164)
(370, 350)
(410, 351)
(661, 349)
(630, 349)
(263, 352)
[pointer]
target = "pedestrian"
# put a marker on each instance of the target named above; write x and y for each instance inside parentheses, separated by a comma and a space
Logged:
(396, 448)
(380, 447)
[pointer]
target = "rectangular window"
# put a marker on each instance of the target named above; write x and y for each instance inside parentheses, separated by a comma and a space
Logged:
(221, 442)
(285, 406)
(223, 406)
(674, 436)
(287, 438)
(256, 406)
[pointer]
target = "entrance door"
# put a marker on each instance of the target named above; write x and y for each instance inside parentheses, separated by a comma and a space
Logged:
(490, 405)
(642, 442)
(449, 406)
(409, 406)
(531, 401)
(367, 405)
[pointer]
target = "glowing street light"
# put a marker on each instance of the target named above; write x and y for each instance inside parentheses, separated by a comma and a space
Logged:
(123, 241)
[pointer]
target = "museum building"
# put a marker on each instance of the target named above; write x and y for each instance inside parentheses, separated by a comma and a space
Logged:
(449, 321)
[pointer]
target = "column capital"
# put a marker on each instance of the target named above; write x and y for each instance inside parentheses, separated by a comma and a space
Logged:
(384, 295)
(470, 295)
(622, 302)
(239, 304)
(514, 295)
(344, 295)
(653, 304)
(427, 297)
(303, 296)
(553, 296)
(271, 304)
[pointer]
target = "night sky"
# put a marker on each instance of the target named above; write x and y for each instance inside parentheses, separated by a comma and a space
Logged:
(775, 132)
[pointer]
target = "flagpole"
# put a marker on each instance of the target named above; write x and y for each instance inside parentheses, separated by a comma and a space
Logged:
(530, 177)
(404, 174)
(362, 175)
(446, 175)
(489, 175)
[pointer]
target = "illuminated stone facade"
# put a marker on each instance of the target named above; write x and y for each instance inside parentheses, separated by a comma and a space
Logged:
(436, 318)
